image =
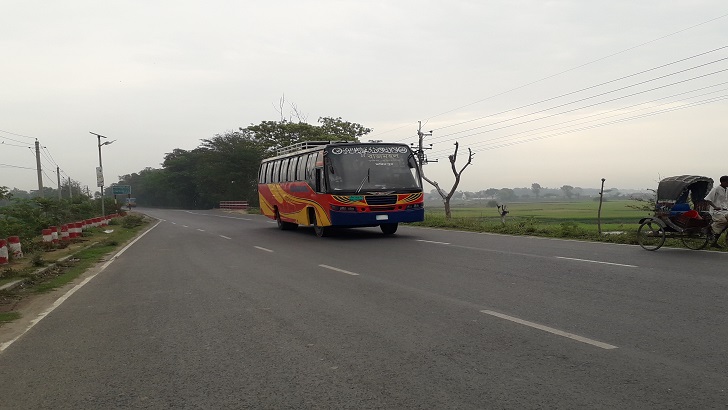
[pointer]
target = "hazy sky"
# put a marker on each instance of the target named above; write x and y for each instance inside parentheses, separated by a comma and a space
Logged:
(553, 92)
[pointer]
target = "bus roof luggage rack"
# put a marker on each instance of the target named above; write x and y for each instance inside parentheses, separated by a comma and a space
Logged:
(300, 146)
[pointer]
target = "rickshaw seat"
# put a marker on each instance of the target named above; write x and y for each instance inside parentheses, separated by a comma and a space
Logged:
(679, 209)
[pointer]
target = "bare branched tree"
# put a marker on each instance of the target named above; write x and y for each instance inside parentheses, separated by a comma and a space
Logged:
(446, 196)
(294, 113)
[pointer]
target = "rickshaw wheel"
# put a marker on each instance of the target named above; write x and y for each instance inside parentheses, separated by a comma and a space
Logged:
(650, 235)
(696, 238)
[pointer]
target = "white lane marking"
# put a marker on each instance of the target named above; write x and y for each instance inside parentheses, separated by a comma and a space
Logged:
(272, 222)
(591, 261)
(185, 226)
(218, 216)
(231, 217)
(550, 330)
(223, 236)
(174, 223)
(201, 230)
(73, 290)
(262, 249)
(439, 243)
(339, 270)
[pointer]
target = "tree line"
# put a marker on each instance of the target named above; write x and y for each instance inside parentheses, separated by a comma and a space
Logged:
(225, 167)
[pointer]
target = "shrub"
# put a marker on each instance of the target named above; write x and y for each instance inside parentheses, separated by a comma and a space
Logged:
(132, 220)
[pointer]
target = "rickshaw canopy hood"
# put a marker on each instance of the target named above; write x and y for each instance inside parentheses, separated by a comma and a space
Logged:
(679, 189)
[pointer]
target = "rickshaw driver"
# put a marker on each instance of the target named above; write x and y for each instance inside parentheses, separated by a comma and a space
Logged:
(717, 198)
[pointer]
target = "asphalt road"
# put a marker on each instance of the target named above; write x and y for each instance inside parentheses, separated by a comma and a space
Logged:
(217, 310)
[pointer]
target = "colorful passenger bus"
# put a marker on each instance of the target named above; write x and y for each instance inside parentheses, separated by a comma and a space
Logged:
(340, 184)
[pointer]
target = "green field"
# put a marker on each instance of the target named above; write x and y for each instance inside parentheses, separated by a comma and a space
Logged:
(615, 214)
(573, 219)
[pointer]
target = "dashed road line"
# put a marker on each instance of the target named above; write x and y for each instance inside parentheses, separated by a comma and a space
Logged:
(435, 242)
(591, 261)
(223, 236)
(201, 230)
(262, 249)
(551, 330)
(339, 270)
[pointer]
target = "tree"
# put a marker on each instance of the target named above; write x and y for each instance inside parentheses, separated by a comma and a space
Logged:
(458, 174)
(225, 166)
(568, 191)
(491, 192)
(506, 194)
(536, 188)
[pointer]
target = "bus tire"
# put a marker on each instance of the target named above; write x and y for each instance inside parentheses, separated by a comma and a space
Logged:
(320, 231)
(282, 225)
(388, 229)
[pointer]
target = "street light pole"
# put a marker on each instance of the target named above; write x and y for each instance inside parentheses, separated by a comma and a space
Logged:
(101, 169)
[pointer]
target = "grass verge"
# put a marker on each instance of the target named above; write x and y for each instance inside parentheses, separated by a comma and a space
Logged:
(65, 265)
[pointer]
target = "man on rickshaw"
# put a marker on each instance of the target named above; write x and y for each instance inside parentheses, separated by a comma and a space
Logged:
(717, 198)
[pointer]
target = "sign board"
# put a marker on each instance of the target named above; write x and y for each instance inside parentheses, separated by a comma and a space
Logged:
(121, 189)
(99, 177)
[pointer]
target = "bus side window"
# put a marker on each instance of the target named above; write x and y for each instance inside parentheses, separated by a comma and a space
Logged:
(261, 173)
(276, 171)
(310, 168)
(292, 167)
(320, 185)
(284, 170)
(302, 167)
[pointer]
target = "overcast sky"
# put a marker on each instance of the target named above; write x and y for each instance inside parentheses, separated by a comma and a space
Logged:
(552, 92)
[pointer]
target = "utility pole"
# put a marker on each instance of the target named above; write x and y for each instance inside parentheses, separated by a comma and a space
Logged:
(58, 174)
(37, 164)
(100, 171)
(422, 158)
(70, 189)
(599, 212)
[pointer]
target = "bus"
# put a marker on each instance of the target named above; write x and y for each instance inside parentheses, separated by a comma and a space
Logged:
(328, 184)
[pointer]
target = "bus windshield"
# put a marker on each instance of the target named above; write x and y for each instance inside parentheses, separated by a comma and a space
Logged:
(380, 167)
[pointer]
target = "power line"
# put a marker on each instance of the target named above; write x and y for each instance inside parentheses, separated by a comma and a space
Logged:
(11, 139)
(563, 72)
(19, 135)
(504, 137)
(583, 65)
(571, 110)
(541, 137)
(16, 166)
(3, 143)
(600, 84)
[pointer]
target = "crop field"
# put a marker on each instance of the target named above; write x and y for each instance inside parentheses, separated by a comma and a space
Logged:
(615, 216)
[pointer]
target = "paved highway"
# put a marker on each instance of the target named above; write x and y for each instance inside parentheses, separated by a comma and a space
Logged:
(219, 310)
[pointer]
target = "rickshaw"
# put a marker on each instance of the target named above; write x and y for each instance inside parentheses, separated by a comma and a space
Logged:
(680, 212)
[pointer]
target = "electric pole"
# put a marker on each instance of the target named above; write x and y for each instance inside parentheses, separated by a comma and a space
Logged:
(58, 174)
(37, 164)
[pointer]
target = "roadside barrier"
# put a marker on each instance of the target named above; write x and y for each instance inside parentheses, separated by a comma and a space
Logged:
(75, 229)
(233, 204)
(47, 237)
(3, 252)
(54, 234)
(14, 247)
(65, 235)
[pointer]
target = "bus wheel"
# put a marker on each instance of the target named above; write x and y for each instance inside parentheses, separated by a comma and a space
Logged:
(320, 231)
(388, 229)
(284, 226)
